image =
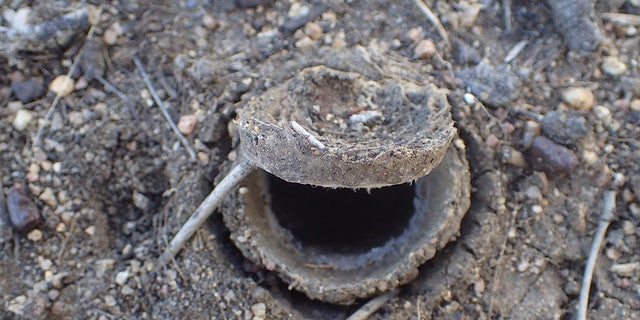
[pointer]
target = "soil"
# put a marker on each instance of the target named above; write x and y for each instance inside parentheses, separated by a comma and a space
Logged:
(114, 183)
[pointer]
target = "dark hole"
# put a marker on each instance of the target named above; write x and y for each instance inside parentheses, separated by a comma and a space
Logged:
(341, 220)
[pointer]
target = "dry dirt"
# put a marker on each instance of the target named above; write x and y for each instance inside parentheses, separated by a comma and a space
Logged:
(113, 182)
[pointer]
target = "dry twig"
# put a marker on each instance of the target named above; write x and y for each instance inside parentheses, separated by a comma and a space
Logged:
(373, 305)
(608, 208)
(506, 7)
(622, 18)
(434, 20)
(160, 105)
(206, 208)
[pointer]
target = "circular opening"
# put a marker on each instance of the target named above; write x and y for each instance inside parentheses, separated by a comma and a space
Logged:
(342, 221)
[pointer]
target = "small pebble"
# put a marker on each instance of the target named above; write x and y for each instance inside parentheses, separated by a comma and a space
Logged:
(141, 201)
(27, 91)
(551, 158)
(76, 118)
(589, 157)
(48, 197)
(313, 30)
(122, 277)
(625, 269)
(34, 235)
(513, 157)
(415, 34)
(613, 66)
(578, 97)
(110, 301)
(537, 209)
(523, 266)
(45, 264)
(127, 291)
(22, 119)
(628, 228)
(469, 98)
(304, 42)
(90, 231)
(62, 85)
(209, 22)
(564, 127)
(533, 192)
(53, 294)
(259, 310)
(24, 214)
(187, 124)
(298, 10)
(531, 131)
(424, 50)
(602, 112)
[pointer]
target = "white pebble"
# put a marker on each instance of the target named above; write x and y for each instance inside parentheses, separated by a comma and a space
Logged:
(469, 98)
(365, 116)
(259, 310)
(122, 277)
(34, 235)
(424, 50)
(62, 85)
(578, 97)
(110, 301)
(613, 66)
(601, 112)
(48, 197)
(45, 264)
(298, 10)
(22, 119)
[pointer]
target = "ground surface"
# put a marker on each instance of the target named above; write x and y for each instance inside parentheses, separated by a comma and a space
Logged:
(113, 182)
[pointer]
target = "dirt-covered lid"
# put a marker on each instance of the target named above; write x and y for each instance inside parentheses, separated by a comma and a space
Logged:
(335, 128)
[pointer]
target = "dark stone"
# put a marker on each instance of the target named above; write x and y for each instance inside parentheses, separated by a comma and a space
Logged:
(27, 91)
(24, 214)
(551, 158)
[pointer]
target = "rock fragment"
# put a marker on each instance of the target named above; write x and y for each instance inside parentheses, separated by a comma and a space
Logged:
(62, 85)
(424, 50)
(578, 97)
(24, 214)
(564, 127)
(22, 119)
(27, 91)
(551, 158)
(613, 66)
(493, 85)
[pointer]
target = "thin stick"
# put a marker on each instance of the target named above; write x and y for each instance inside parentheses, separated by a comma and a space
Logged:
(313, 140)
(622, 18)
(206, 208)
(608, 208)
(160, 105)
(434, 20)
(373, 305)
(52, 107)
(112, 88)
(506, 6)
(515, 51)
